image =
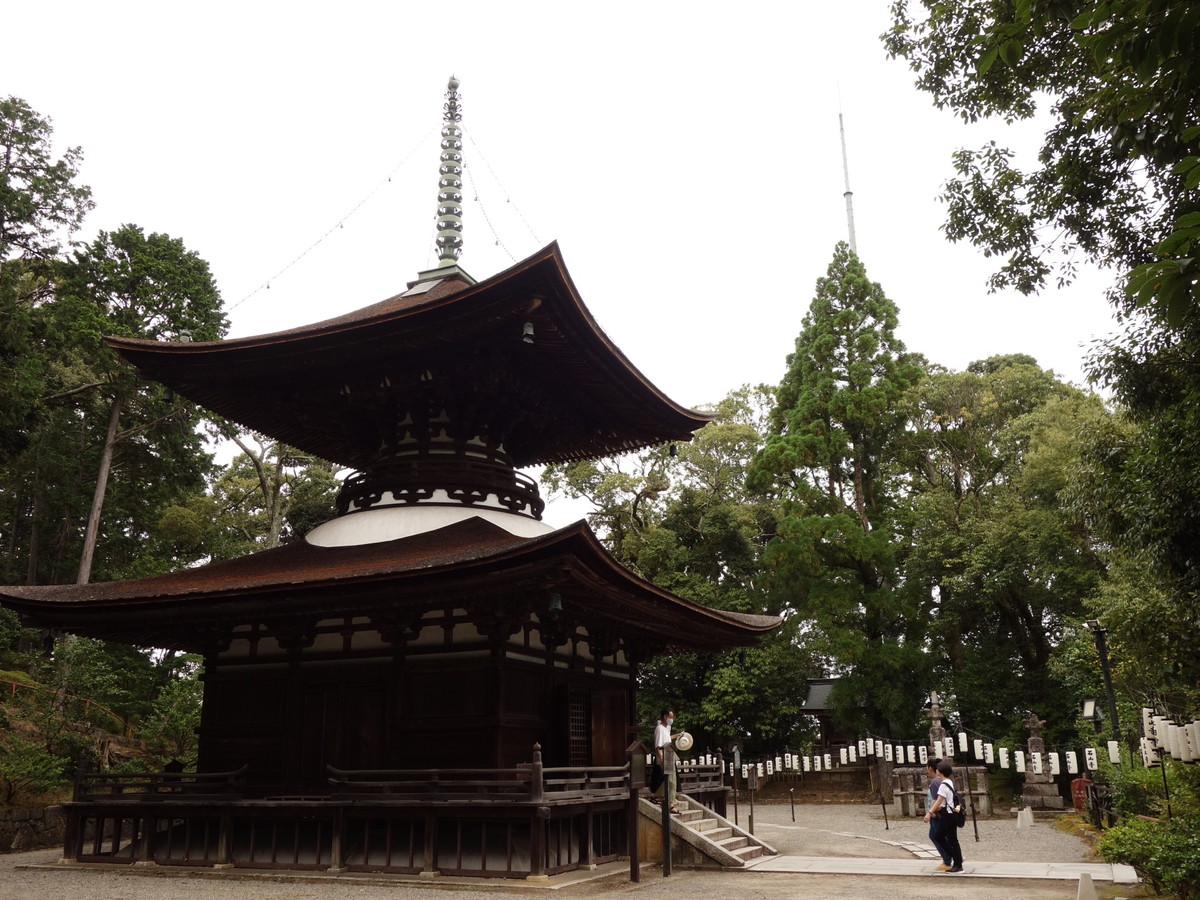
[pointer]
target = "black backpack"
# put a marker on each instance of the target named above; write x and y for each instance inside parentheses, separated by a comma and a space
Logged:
(957, 812)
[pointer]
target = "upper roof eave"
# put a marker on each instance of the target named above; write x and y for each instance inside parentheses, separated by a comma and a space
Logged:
(214, 373)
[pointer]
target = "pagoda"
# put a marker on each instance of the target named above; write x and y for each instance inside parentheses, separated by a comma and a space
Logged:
(436, 624)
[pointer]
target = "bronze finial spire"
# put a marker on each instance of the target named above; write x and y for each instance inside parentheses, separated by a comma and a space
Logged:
(449, 214)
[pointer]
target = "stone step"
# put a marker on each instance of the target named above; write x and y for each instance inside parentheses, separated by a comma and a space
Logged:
(751, 851)
(733, 843)
(714, 833)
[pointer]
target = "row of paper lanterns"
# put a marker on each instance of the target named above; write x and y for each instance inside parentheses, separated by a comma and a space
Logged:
(1181, 742)
(902, 754)
(1163, 737)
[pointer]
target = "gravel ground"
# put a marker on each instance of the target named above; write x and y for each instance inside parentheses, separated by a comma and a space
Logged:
(832, 830)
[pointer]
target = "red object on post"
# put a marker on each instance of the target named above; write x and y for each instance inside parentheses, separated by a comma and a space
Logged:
(1079, 790)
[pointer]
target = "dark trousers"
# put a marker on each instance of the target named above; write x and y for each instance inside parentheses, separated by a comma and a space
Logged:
(935, 836)
(948, 835)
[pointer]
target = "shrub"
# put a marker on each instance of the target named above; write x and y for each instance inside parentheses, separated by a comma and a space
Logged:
(1164, 853)
(27, 767)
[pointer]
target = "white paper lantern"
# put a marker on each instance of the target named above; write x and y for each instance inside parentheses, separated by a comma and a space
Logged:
(770, 767)
(938, 752)
(745, 771)
(807, 764)
(1004, 757)
(816, 764)
(1114, 753)
(887, 753)
(989, 754)
(1193, 740)
(1072, 763)
(1089, 758)
(1019, 760)
(828, 761)
(761, 771)
(912, 754)
(948, 746)
(879, 749)
(962, 742)
(1174, 745)
(1159, 737)
(862, 748)
(853, 753)
(1054, 765)
(1036, 760)
(898, 754)
(923, 754)
(778, 764)
(844, 753)
(977, 747)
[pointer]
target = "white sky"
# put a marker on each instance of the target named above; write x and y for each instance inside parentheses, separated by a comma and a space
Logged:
(686, 157)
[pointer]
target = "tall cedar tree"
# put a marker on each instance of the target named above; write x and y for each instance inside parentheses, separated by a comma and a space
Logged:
(836, 557)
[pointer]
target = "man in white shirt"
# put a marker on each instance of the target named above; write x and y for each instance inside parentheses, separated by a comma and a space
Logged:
(663, 767)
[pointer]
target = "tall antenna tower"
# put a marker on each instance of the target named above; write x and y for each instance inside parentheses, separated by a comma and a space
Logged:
(849, 194)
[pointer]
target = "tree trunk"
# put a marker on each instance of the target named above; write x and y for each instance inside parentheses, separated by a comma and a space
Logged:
(35, 533)
(93, 523)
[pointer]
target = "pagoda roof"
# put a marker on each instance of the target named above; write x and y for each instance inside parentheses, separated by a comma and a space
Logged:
(565, 391)
(186, 608)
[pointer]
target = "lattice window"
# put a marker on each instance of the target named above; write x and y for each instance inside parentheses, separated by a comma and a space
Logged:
(579, 720)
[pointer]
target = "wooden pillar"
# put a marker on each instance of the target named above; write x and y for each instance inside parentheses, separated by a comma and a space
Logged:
(225, 839)
(337, 853)
(145, 829)
(431, 861)
(537, 841)
(589, 836)
(73, 834)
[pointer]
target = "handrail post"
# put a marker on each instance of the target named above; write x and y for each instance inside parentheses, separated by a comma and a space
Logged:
(537, 785)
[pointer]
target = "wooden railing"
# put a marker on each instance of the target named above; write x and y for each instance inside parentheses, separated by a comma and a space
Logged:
(700, 779)
(160, 786)
(530, 783)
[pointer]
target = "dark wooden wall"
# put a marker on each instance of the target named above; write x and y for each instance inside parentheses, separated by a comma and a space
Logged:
(289, 721)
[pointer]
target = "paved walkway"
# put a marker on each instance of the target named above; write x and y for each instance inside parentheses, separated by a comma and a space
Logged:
(830, 865)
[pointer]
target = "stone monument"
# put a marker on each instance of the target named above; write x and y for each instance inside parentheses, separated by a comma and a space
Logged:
(1040, 791)
(936, 731)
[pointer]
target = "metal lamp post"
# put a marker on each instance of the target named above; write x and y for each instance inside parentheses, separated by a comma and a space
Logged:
(1098, 632)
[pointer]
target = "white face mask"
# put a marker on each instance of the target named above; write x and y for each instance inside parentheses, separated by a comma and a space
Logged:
(670, 721)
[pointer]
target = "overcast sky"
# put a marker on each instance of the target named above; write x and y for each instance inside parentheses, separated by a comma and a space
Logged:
(685, 156)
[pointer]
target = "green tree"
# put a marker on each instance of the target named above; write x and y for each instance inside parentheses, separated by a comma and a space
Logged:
(836, 556)
(1007, 570)
(1115, 184)
(171, 729)
(96, 416)
(1118, 168)
(269, 494)
(40, 202)
(683, 518)
(27, 767)
(40, 205)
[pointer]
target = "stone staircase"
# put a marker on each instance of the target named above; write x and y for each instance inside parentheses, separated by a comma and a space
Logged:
(709, 837)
